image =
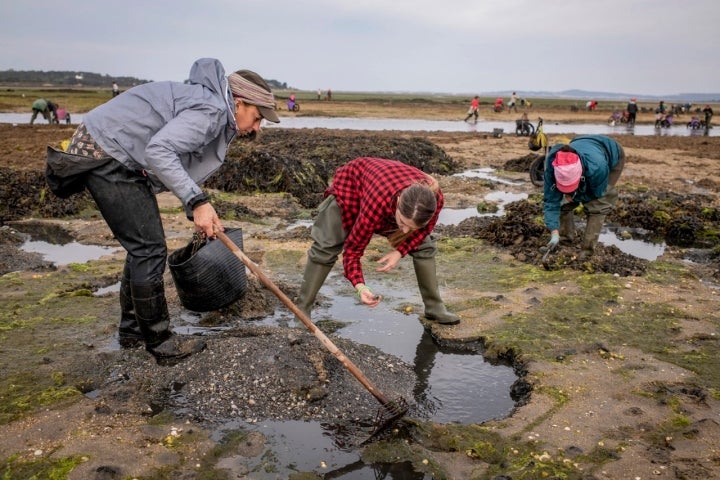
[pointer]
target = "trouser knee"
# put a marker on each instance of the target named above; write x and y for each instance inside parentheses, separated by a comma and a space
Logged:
(327, 234)
(426, 249)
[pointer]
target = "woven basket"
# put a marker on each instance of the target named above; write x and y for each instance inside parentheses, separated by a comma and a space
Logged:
(207, 275)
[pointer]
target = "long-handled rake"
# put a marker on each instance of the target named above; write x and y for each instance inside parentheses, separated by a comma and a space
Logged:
(391, 410)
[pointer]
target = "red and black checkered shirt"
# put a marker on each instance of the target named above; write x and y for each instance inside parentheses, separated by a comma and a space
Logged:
(366, 190)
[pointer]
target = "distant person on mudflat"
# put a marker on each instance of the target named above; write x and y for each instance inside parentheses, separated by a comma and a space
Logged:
(632, 109)
(370, 196)
(41, 106)
(473, 111)
(708, 111)
(52, 107)
(156, 137)
(584, 171)
(513, 102)
(62, 115)
(115, 89)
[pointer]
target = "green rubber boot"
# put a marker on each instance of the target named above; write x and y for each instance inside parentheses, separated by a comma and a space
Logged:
(435, 310)
(567, 228)
(590, 239)
(313, 278)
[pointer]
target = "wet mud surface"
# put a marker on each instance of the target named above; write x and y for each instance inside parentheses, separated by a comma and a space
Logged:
(301, 163)
(253, 373)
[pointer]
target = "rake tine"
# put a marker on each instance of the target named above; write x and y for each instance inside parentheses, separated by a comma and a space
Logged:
(388, 415)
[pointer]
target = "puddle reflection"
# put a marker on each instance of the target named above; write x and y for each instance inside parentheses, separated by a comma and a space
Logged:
(453, 385)
(57, 246)
(114, 288)
(486, 173)
(639, 248)
(299, 446)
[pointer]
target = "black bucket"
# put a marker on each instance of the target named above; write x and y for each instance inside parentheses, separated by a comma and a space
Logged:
(207, 274)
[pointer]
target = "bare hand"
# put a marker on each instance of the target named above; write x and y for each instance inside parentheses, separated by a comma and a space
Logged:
(367, 296)
(205, 219)
(390, 261)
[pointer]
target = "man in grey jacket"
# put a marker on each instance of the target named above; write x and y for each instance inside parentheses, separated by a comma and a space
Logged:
(162, 136)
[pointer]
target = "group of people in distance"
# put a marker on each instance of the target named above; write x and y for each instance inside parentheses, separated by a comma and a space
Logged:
(50, 111)
(498, 106)
(125, 158)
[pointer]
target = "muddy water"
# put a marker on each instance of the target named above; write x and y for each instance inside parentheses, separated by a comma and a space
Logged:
(637, 247)
(645, 249)
(309, 447)
(485, 126)
(454, 383)
(57, 247)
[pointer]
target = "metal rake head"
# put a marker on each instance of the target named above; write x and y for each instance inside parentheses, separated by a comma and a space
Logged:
(387, 415)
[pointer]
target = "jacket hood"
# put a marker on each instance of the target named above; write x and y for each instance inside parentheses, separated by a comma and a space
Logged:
(209, 73)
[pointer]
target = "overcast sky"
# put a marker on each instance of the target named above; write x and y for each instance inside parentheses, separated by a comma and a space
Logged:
(650, 47)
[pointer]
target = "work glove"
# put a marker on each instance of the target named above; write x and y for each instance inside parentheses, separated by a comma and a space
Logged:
(554, 241)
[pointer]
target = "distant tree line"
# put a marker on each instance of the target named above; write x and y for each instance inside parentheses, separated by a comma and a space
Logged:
(36, 78)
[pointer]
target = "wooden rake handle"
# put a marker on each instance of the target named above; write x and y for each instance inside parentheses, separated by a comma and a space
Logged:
(303, 317)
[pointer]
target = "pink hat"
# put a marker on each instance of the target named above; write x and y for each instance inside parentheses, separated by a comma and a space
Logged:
(568, 171)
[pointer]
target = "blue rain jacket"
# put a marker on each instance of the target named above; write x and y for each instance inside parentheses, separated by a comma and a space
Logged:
(598, 155)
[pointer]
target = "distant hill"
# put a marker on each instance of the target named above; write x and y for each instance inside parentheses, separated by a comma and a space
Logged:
(36, 78)
(617, 97)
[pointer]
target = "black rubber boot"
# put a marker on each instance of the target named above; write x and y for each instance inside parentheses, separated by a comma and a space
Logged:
(177, 347)
(129, 334)
(313, 279)
(435, 310)
(153, 318)
(590, 239)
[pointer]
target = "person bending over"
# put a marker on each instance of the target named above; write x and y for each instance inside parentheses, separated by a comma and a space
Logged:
(371, 196)
(583, 172)
(162, 136)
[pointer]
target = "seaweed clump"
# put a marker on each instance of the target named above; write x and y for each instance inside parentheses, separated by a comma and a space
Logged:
(302, 162)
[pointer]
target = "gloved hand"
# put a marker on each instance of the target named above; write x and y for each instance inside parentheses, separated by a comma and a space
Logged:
(554, 241)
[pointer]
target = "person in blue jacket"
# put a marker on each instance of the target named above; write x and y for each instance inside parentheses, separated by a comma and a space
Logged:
(155, 137)
(586, 172)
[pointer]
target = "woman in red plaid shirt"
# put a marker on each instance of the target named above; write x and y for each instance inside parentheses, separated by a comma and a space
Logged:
(371, 196)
